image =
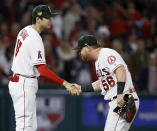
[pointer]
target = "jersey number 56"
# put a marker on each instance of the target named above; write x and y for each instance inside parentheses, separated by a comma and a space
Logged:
(108, 82)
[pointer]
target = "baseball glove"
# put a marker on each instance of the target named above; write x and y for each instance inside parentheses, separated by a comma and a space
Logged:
(128, 110)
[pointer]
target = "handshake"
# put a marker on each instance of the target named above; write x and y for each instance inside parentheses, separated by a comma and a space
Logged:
(72, 88)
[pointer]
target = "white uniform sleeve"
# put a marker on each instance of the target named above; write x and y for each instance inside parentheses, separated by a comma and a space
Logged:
(37, 52)
(113, 60)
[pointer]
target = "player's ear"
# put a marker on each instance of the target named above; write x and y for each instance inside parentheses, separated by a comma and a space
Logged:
(38, 20)
(89, 47)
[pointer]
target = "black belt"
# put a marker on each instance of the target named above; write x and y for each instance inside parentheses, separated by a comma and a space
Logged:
(131, 90)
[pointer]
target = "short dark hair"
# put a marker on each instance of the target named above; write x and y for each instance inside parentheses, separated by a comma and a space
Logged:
(34, 19)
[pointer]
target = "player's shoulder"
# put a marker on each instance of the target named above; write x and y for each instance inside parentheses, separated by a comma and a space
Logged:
(25, 31)
(108, 51)
(33, 34)
(30, 30)
(25, 28)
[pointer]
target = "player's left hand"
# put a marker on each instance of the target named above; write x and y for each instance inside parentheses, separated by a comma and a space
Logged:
(120, 100)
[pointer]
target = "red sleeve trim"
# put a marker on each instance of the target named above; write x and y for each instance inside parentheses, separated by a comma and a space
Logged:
(117, 67)
(49, 75)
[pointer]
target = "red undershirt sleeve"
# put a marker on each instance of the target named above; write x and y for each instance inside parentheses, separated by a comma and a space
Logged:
(49, 75)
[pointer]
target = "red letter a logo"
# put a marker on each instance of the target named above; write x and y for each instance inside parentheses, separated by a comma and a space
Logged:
(39, 55)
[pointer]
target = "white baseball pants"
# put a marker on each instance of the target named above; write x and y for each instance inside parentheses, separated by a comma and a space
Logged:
(114, 122)
(23, 94)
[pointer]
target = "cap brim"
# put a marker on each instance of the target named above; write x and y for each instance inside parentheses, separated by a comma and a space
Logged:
(77, 48)
(51, 15)
(54, 14)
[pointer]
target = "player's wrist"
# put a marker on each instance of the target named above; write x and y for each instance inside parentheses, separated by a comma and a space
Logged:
(65, 83)
(120, 87)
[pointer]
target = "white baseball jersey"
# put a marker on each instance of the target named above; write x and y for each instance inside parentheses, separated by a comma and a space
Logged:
(108, 60)
(29, 51)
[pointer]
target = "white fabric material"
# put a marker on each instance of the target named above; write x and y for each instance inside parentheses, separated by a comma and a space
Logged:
(23, 94)
(30, 53)
(114, 122)
(109, 60)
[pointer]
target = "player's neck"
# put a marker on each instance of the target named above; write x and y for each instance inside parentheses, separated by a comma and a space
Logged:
(37, 28)
(96, 53)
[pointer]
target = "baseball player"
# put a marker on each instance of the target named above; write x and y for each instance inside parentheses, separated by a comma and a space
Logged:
(114, 80)
(28, 64)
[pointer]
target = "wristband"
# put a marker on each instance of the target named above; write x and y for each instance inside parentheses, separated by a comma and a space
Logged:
(87, 88)
(120, 87)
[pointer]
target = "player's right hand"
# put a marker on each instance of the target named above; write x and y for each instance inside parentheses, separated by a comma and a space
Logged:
(120, 100)
(77, 88)
(73, 89)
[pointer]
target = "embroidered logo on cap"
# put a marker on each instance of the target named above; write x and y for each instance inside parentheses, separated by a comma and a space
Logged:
(39, 13)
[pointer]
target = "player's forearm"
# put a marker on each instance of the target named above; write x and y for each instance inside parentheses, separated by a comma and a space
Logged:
(95, 86)
(49, 75)
(120, 74)
(65, 83)
(121, 79)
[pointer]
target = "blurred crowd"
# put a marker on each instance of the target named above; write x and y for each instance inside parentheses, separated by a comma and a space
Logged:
(128, 26)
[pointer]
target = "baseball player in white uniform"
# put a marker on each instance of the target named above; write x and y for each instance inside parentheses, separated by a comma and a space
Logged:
(28, 64)
(114, 79)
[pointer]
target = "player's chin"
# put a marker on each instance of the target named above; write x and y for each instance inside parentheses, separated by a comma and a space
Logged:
(48, 26)
(85, 59)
